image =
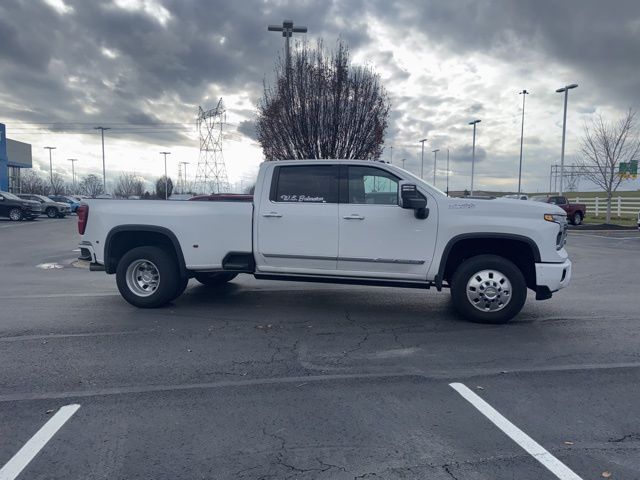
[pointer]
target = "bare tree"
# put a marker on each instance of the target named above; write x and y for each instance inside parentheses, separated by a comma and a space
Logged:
(91, 185)
(322, 107)
(162, 183)
(604, 146)
(58, 185)
(31, 182)
(129, 185)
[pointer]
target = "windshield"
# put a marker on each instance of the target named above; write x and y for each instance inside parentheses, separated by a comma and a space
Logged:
(10, 196)
(421, 181)
(539, 199)
(44, 199)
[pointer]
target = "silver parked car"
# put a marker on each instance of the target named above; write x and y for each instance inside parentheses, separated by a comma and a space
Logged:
(50, 208)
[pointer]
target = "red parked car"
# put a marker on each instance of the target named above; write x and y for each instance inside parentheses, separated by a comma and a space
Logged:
(575, 211)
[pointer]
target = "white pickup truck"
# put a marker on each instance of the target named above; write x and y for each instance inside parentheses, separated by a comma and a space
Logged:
(337, 221)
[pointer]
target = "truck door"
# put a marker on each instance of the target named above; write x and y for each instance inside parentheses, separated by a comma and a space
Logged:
(298, 224)
(377, 237)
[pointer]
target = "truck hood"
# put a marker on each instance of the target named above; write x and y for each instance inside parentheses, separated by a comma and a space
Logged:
(506, 206)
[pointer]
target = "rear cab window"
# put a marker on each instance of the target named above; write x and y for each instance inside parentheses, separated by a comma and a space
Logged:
(305, 184)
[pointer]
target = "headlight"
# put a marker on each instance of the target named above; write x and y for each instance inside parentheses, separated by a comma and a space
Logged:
(561, 220)
(555, 218)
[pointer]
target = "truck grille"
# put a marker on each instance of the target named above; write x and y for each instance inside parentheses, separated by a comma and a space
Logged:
(561, 239)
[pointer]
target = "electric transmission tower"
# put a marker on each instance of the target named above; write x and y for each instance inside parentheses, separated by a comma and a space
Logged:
(211, 174)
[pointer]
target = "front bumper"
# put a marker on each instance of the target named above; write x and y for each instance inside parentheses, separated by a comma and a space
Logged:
(553, 276)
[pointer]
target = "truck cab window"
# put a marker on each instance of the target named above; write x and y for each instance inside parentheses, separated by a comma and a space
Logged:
(370, 185)
(307, 184)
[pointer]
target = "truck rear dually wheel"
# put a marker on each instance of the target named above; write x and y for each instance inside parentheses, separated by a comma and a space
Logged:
(148, 277)
(488, 289)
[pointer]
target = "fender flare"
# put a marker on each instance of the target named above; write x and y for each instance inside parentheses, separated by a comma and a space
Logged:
(144, 228)
(481, 236)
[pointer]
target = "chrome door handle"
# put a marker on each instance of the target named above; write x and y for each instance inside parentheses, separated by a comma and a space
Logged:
(354, 216)
(272, 214)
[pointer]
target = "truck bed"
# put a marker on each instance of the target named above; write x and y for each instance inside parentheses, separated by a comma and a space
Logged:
(206, 231)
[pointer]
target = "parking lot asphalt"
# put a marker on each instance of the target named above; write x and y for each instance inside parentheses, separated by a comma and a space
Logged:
(273, 380)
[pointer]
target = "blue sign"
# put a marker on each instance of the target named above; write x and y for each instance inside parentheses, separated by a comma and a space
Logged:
(4, 161)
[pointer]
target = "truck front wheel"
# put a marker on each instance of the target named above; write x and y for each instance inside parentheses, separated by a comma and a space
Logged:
(488, 289)
(148, 277)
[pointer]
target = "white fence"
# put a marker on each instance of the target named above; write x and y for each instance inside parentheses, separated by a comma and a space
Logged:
(620, 206)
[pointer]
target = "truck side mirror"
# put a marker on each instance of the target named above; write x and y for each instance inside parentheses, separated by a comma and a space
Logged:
(411, 199)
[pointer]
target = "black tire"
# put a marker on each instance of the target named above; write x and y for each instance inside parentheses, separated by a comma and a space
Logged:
(15, 214)
(168, 273)
(214, 279)
(51, 212)
(577, 218)
(182, 286)
(472, 267)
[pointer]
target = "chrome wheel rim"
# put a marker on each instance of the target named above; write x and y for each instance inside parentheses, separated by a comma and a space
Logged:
(143, 278)
(489, 290)
(15, 214)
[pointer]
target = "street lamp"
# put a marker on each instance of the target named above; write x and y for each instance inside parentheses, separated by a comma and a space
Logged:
(287, 30)
(435, 159)
(447, 172)
(403, 163)
(564, 90)
(50, 163)
(73, 172)
(422, 167)
(524, 94)
(473, 152)
(166, 179)
(104, 171)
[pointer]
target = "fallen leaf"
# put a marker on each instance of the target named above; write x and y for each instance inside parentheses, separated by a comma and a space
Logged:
(479, 387)
(49, 412)
(568, 443)
(606, 474)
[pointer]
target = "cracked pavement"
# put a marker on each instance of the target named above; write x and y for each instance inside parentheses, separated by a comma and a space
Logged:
(280, 380)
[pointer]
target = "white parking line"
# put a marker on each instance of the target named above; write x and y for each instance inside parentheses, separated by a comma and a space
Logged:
(30, 449)
(532, 447)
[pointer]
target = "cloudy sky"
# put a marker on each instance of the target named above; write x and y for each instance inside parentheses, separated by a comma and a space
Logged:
(142, 68)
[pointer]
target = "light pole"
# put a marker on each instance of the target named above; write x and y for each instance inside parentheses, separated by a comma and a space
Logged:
(184, 181)
(435, 160)
(50, 163)
(564, 90)
(104, 171)
(166, 179)
(524, 94)
(447, 172)
(73, 172)
(391, 154)
(403, 163)
(473, 152)
(422, 167)
(287, 30)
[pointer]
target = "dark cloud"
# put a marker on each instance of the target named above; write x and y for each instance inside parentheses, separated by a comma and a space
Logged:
(599, 39)
(248, 128)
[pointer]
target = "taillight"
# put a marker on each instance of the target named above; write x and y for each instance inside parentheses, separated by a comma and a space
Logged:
(83, 216)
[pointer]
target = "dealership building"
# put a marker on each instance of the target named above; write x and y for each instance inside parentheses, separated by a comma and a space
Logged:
(14, 156)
